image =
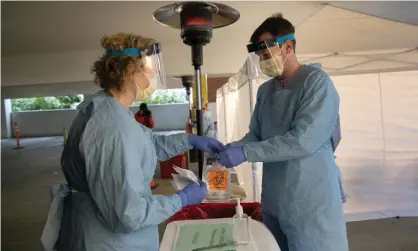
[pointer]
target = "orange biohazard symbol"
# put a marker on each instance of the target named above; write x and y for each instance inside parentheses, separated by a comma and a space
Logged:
(218, 179)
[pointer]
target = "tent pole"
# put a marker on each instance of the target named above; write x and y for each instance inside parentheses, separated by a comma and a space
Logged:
(225, 115)
(254, 167)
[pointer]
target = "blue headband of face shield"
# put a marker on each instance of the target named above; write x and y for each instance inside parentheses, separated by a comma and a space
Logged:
(135, 52)
(262, 45)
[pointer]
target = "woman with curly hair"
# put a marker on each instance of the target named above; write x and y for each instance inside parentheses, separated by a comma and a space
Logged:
(109, 159)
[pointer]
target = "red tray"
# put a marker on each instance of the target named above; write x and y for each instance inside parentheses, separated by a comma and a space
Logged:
(216, 211)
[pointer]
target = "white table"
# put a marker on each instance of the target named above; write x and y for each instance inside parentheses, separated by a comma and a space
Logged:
(262, 239)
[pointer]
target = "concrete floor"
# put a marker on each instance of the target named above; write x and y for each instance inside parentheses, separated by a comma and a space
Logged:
(26, 177)
(28, 173)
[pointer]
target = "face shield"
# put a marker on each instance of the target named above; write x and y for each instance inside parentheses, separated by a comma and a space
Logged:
(267, 55)
(153, 60)
(153, 67)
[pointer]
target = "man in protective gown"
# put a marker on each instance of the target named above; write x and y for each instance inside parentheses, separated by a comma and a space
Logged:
(292, 132)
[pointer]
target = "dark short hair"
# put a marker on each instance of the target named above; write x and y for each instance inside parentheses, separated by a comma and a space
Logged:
(143, 106)
(277, 26)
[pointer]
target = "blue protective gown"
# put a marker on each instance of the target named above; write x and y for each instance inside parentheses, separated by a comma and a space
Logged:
(109, 159)
(290, 132)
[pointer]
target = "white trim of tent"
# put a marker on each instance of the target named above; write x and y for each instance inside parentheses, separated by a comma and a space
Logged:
(365, 58)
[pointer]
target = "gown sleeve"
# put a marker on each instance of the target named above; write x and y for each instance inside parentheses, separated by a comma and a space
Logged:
(314, 122)
(115, 173)
(171, 145)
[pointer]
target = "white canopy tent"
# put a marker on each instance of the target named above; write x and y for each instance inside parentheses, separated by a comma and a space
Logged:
(322, 29)
(378, 154)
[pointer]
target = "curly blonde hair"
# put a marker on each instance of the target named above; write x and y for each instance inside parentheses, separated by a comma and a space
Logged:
(110, 72)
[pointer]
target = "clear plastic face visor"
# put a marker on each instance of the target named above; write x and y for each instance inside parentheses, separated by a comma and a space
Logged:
(153, 64)
(153, 60)
(267, 55)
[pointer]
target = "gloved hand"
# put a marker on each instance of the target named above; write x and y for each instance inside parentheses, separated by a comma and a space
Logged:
(193, 194)
(205, 144)
(231, 156)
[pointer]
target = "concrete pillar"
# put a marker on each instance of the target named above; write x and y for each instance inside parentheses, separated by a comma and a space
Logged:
(87, 96)
(6, 113)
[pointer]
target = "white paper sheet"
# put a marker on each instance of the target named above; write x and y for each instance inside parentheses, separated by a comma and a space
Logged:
(183, 178)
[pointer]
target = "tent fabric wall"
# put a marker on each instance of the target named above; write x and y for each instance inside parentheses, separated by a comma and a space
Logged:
(378, 154)
(233, 109)
(235, 102)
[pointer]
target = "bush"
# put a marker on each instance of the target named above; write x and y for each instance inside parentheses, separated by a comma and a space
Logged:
(161, 97)
(173, 96)
(45, 103)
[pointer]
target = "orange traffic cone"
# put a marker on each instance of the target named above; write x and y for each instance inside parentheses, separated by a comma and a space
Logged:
(153, 184)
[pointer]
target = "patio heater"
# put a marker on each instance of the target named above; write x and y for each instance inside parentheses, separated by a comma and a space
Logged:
(196, 20)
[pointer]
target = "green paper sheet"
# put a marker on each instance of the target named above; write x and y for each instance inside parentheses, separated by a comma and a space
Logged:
(192, 236)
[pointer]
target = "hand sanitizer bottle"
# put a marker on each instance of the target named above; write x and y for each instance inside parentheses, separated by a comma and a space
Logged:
(241, 226)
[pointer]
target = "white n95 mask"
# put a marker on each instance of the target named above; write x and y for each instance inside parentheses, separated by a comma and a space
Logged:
(145, 94)
(273, 67)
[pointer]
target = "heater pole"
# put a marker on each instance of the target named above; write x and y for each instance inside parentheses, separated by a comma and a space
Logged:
(187, 83)
(197, 61)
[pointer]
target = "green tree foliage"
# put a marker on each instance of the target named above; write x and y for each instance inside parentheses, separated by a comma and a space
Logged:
(176, 96)
(161, 97)
(46, 103)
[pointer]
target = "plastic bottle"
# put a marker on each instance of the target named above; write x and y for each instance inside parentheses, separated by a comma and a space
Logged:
(241, 225)
(218, 179)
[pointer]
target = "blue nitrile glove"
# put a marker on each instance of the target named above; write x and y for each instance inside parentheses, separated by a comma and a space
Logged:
(193, 194)
(231, 156)
(205, 144)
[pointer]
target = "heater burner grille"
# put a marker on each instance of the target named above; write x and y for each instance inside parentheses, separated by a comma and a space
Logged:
(222, 15)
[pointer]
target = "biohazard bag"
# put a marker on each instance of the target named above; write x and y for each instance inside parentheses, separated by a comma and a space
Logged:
(218, 180)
